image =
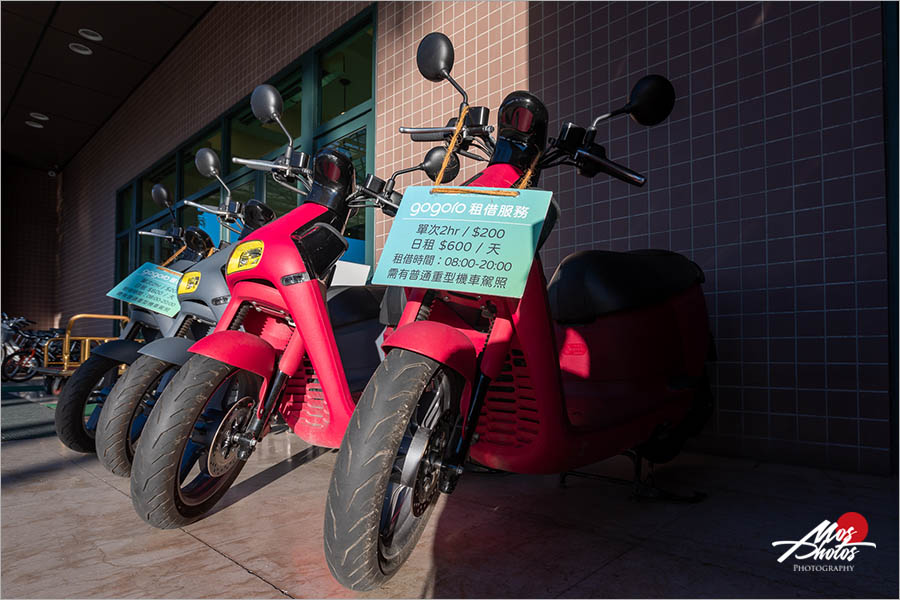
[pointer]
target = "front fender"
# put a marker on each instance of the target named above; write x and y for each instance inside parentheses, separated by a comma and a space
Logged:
(172, 350)
(123, 351)
(439, 342)
(239, 349)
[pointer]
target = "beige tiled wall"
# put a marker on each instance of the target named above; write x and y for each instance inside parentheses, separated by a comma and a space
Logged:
(491, 50)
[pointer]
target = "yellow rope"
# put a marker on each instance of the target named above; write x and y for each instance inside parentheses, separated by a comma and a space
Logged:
(452, 146)
(473, 190)
(526, 179)
(173, 257)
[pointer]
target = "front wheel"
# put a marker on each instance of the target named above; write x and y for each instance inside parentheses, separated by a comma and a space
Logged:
(385, 483)
(186, 460)
(81, 402)
(127, 410)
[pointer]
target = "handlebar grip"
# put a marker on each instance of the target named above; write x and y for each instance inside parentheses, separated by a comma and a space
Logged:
(427, 137)
(595, 163)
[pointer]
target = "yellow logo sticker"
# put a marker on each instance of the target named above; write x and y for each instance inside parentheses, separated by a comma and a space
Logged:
(245, 256)
(189, 282)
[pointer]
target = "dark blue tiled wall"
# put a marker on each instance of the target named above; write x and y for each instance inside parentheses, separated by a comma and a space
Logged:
(769, 174)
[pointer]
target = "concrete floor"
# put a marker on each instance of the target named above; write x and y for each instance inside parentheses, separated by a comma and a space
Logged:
(69, 530)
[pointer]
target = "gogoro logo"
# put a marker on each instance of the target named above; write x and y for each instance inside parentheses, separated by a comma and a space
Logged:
(436, 209)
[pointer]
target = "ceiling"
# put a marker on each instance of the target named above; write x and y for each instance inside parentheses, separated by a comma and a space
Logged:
(78, 93)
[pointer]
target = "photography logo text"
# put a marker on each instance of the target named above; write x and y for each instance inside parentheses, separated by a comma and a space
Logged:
(829, 546)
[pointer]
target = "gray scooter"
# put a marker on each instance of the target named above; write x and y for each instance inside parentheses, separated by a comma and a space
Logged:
(82, 398)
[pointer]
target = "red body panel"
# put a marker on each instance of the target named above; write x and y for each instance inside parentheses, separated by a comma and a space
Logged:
(456, 350)
(565, 396)
(316, 402)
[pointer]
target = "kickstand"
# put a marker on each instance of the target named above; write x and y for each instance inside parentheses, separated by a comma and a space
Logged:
(643, 490)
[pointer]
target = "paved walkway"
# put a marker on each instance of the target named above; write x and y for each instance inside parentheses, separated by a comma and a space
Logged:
(69, 530)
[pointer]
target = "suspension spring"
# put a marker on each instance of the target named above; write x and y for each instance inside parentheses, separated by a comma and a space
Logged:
(239, 316)
(185, 327)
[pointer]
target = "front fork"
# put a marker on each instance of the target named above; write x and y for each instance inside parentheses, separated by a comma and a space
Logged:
(252, 433)
(489, 365)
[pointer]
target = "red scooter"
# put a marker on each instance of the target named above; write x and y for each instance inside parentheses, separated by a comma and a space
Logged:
(607, 358)
(285, 347)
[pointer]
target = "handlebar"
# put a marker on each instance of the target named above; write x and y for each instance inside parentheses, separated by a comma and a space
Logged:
(591, 162)
(438, 134)
(164, 236)
(204, 208)
(259, 165)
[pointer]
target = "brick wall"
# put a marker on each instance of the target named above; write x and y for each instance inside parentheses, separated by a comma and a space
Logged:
(234, 48)
(491, 51)
(770, 175)
(29, 240)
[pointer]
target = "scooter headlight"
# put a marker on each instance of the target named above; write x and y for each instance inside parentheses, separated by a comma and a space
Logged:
(189, 282)
(245, 256)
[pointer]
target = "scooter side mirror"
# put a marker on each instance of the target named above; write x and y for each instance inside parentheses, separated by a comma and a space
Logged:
(651, 100)
(160, 196)
(266, 103)
(435, 56)
(207, 163)
(432, 162)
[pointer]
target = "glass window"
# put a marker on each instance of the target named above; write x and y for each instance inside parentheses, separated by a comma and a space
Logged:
(205, 221)
(242, 193)
(124, 209)
(164, 174)
(279, 198)
(193, 181)
(345, 74)
(122, 258)
(354, 145)
(252, 139)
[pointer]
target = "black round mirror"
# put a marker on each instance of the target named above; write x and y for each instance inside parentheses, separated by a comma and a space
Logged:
(207, 162)
(435, 56)
(651, 100)
(432, 162)
(160, 196)
(197, 240)
(266, 103)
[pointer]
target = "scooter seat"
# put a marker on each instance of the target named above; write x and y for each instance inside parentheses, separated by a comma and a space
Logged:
(355, 304)
(593, 283)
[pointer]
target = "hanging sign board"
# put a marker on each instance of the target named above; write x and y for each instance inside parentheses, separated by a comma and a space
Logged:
(464, 240)
(152, 287)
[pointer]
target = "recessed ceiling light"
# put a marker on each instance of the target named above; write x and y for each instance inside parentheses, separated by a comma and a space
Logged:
(39, 116)
(34, 124)
(80, 49)
(90, 34)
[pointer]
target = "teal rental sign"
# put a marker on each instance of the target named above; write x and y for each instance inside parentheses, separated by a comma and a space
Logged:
(464, 240)
(152, 287)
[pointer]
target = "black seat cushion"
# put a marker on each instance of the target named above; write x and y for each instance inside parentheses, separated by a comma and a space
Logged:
(592, 283)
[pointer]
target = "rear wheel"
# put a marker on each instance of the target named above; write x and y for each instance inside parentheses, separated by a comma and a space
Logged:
(385, 483)
(127, 410)
(186, 461)
(20, 366)
(81, 402)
